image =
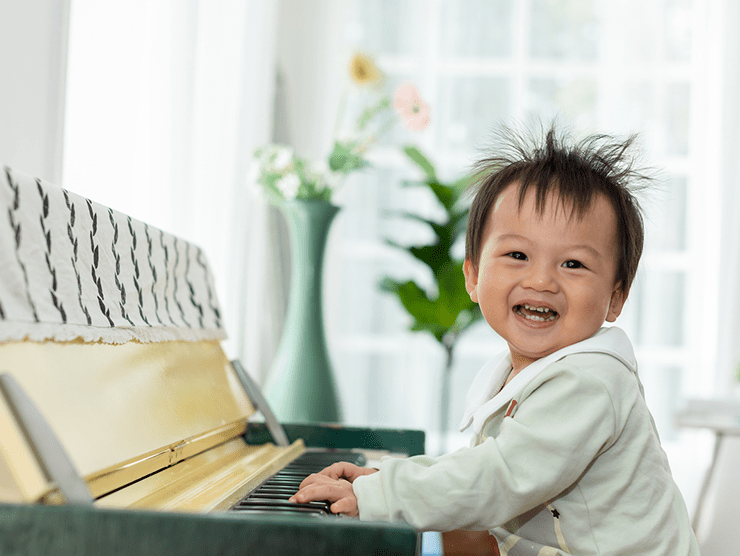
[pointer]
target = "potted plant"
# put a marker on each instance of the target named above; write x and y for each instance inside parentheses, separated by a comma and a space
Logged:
(447, 312)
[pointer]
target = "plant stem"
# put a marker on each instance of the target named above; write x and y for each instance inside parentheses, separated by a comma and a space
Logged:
(386, 128)
(444, 406)
(340, 113)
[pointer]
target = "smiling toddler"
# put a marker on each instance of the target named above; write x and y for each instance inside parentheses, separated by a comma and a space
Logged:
(565, 457)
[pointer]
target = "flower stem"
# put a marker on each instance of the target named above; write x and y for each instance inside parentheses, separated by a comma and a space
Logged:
(386, 128)
(340, 112)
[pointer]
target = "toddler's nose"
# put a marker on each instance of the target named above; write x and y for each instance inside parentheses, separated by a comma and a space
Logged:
(541, 278)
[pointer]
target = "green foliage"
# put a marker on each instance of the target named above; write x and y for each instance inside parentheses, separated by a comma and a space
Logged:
(346, 158)
(450, 312)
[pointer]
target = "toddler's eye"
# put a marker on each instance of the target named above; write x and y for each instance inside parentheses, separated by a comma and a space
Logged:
(518, 255)
(573, 264)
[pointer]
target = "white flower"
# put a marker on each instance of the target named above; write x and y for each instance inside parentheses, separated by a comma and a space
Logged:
(274, 159)
(281, 158)
(288, 185)
(318, 168)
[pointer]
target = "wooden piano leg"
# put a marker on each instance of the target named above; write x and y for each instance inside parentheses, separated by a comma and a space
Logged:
(469, 543)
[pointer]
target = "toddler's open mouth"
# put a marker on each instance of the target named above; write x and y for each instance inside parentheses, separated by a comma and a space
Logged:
(537, 314)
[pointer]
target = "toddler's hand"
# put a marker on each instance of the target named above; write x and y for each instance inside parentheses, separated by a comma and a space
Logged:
(344, 470)
(321, 487)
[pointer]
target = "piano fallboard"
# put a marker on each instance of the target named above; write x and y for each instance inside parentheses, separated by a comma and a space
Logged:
(82, 530)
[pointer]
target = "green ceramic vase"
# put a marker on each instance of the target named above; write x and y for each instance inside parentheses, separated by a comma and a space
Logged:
(300, 387)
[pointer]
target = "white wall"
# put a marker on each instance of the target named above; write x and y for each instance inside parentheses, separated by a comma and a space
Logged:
(33, 58)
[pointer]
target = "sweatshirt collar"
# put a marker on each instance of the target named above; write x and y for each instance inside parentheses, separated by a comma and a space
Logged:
(483, 400)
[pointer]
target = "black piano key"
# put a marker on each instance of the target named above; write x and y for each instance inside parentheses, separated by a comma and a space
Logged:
(283, 483)
(275, 490)
(262, 495)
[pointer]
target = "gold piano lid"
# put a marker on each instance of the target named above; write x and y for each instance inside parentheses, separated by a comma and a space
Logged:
(119, 411)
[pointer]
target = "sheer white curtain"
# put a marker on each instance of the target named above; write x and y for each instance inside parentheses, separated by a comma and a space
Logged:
(166, 102)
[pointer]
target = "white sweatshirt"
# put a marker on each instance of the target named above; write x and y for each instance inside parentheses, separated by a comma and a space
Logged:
(565, 460)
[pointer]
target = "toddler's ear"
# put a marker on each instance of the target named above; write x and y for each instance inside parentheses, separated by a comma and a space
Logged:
(471, 279)
(616, 303)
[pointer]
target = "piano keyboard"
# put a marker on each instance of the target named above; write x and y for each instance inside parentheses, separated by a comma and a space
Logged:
(273, 494)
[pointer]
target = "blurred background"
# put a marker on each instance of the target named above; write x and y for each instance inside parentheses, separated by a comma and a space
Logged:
(155, 107)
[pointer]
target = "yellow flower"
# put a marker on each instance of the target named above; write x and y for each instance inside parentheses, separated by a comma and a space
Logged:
(363, 71)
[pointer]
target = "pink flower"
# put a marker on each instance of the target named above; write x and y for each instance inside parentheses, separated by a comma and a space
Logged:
(413, 110)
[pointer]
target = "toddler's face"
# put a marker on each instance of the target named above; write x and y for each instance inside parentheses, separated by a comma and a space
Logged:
(546, 281)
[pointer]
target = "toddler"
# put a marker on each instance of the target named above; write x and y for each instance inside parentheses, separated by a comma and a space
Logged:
(565, 457)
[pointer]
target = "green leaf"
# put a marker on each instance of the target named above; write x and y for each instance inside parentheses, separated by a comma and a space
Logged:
(451, 311)
(422, 161)
(424, 311)
(344, 159)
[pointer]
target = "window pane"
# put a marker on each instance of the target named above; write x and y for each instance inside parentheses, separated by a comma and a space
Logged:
(469, 108)
(676, 118)
(372, 202)
(564, 29)
(677, 20)
(660, 300)
(368, 310)
(389, 26)
(666, 222)
(659, 111)
(572, 100)
(477, 28)
(663, 395)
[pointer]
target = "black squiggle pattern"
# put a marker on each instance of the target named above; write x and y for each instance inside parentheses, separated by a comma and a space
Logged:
(153, 270)
(135, 262)
(191, 289)
(174, 291)
(16, 227)
(75, 244)
(211, 297)
(96, 260)
(47, 237)
(117, 258)
(166, 277)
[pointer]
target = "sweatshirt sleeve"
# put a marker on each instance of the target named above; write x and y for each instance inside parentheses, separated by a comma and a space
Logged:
(564, 419)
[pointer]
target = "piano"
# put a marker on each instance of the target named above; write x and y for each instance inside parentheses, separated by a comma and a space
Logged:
(124, 427)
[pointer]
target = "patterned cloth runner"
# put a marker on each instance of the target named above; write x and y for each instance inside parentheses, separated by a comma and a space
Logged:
(71, 268)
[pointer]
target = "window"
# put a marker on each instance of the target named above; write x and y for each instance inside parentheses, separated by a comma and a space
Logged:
(597, 67)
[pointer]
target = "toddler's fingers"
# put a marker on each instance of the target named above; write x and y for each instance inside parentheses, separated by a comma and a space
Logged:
(319, 491)
(346, 470)
(325, 490)
(316, 478)
(347, 506)
(340, 470)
